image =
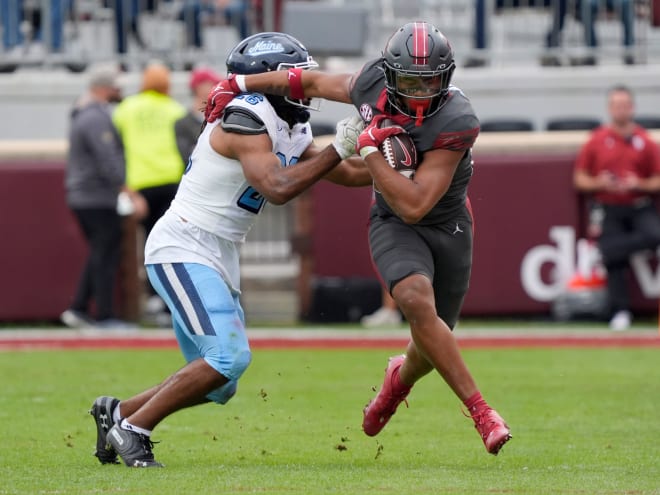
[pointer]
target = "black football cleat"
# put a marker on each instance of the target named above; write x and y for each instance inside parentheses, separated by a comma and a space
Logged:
(134, 448)
(102, 410)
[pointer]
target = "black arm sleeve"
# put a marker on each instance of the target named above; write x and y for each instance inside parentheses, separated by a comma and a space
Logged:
(242, 121)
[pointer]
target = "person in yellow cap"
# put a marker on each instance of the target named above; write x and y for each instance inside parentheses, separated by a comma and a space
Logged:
(145, 122)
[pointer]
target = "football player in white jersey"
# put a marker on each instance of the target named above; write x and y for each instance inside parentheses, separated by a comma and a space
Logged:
(259, 151)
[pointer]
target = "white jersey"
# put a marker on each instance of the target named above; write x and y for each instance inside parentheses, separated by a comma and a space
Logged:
(215, 207)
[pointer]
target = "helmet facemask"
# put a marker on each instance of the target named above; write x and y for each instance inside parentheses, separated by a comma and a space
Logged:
(417, 94)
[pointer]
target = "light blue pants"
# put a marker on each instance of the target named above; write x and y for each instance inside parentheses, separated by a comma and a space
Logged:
(208, 320)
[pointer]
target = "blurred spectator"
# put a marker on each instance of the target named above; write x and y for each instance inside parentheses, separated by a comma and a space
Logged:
(480, 35)
(237, 15)
(480, 30)
(188, 127)
(95, 174)
(586, 11)
(153, 165)
(11, 12)
(15, 12)
(126, 22)
(268, 15)
(387, 314)
(235, 12)
(620, 166)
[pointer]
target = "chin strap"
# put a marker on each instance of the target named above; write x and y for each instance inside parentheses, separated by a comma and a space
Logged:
(420, 116)
(419, 107)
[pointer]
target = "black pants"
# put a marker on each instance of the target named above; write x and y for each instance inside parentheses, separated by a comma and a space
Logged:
(626, 230)
(442, 252)
(102, 230)
(158, 199)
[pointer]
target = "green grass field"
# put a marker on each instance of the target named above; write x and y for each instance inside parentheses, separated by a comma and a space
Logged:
(585, 421)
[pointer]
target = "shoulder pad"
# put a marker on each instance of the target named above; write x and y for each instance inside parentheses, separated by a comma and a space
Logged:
(242, 121)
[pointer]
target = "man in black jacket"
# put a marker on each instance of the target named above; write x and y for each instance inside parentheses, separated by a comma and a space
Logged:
(95, 175)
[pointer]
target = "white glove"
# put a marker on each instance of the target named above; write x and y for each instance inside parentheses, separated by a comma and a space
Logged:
(346, 138)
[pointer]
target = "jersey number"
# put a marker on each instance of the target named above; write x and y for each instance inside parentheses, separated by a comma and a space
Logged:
(251, 200)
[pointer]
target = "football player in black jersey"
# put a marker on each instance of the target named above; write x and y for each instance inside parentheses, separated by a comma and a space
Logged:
(420, 231)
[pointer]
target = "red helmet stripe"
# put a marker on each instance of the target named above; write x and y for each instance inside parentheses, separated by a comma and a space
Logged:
(420, 46)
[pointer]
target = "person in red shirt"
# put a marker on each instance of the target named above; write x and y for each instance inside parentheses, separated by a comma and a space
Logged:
(620, 167)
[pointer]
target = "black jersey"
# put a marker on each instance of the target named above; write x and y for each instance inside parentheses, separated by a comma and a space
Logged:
(454, 127)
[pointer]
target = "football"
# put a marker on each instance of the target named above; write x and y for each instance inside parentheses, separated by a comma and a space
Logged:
(399, 151)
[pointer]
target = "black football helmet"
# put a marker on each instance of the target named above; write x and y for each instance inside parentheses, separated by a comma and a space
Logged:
(270, 51)
(419, 63)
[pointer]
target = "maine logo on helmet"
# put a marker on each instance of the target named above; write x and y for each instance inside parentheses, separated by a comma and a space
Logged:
(418, 62)
(264, 52)
(271, 51)
(262, 47)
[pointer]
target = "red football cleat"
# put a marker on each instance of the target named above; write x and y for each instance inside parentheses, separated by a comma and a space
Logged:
(492, 428)
(379, 411)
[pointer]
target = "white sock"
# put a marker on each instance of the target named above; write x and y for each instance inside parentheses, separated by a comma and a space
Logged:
(116, 415)
(125, 425)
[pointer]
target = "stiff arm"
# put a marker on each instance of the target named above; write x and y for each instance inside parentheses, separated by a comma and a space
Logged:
(314, 84)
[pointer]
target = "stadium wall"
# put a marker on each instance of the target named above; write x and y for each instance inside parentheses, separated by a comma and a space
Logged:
(43, 250)
(527, 223)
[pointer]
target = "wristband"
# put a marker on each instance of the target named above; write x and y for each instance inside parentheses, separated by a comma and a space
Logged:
(295, 84)
(237, 83)
(367, 150)
(240, 82)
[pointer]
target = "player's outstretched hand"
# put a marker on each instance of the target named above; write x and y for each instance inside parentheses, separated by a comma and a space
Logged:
(219, 97)
(373, 135)
(348, 130)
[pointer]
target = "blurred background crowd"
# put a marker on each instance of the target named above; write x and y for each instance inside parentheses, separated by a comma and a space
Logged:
(75, 33)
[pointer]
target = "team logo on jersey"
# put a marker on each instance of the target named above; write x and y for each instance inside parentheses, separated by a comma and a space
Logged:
(262, 47)
(366, 112)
